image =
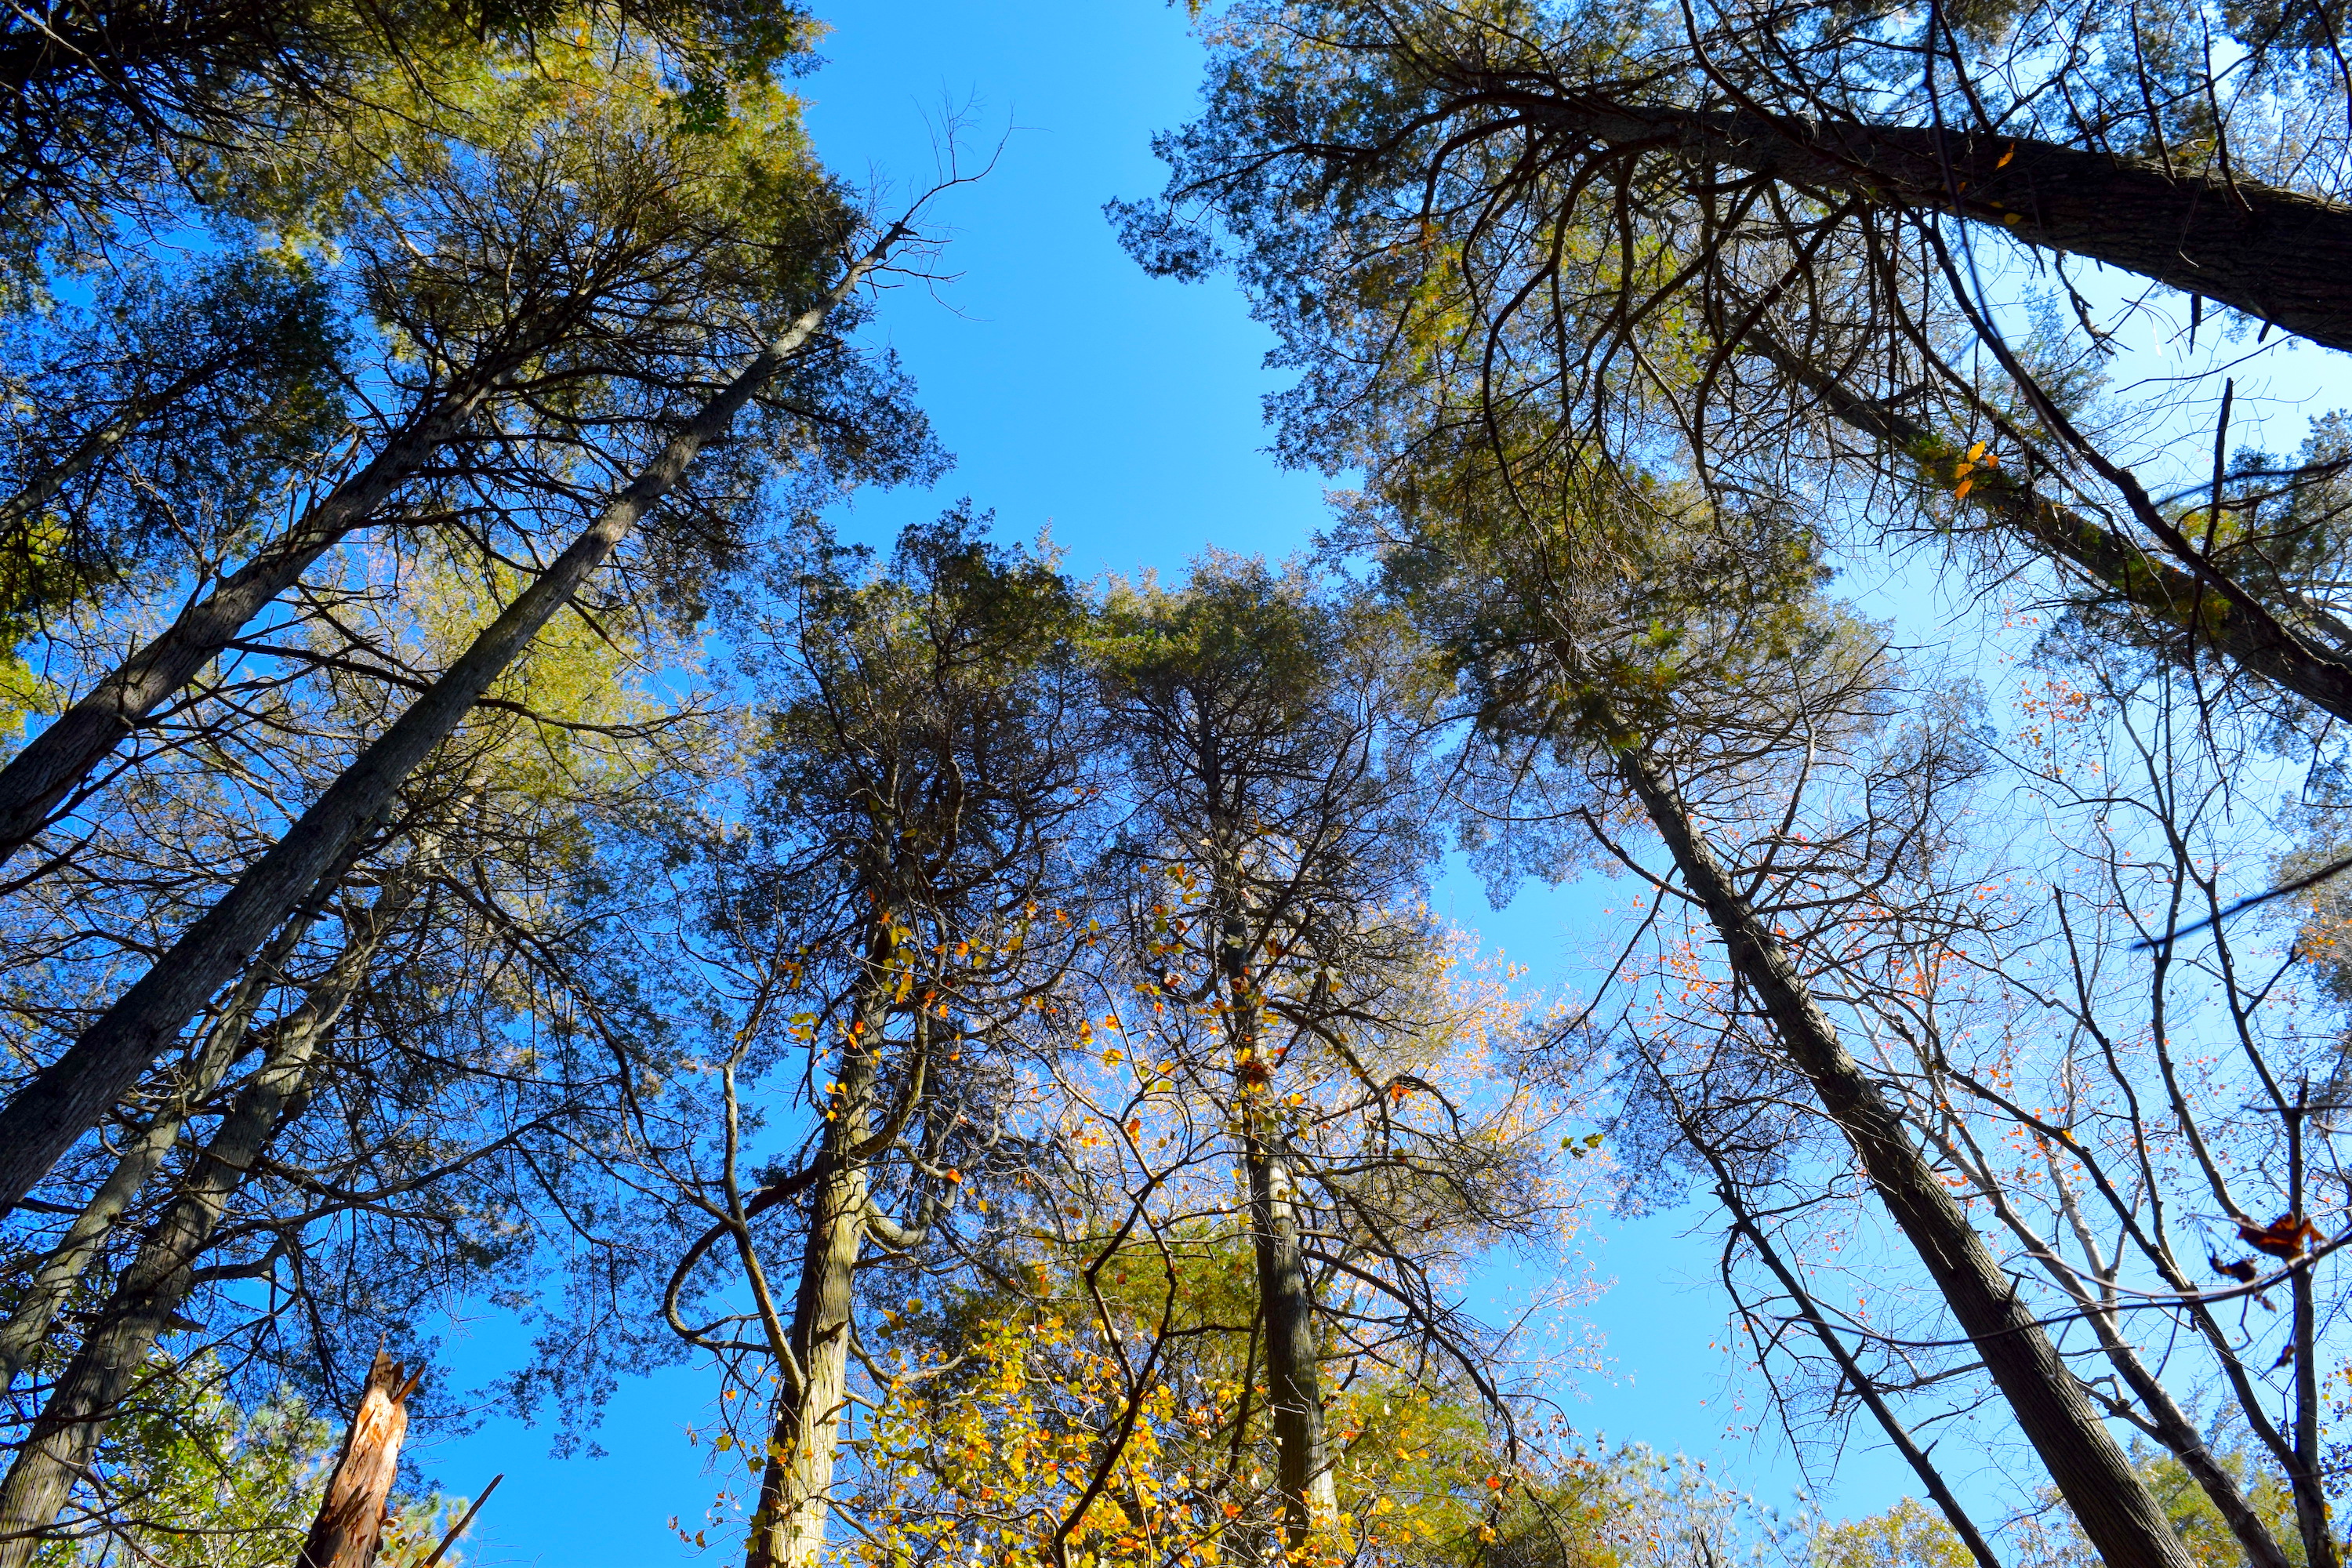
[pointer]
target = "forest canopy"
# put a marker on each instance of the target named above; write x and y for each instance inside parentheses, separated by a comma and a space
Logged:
(486, 829)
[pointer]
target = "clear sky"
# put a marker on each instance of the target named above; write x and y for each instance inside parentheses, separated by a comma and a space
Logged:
(1124, 414)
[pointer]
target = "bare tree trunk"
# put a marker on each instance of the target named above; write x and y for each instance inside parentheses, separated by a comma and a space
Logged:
(796, 1481)
(66, 1099)
(56, 762)
(1286, 1301)
(1293, 1385)
(351, 1516)
(2276, 255)
(2109, 1501)
(91, 1391)
(2171, 1423)
(2315, 669)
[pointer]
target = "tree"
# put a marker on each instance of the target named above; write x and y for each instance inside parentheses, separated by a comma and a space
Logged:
(422, 1142)
(544, 280)
(1274, 735)
(1747, 240)
(1650, 693)
(885, 933)
(116, 115)
(42, 1120)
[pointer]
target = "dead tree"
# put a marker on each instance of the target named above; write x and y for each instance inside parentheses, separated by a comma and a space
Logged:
(351, 1515)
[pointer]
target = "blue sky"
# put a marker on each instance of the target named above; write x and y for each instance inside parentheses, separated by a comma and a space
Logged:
(1122, 413)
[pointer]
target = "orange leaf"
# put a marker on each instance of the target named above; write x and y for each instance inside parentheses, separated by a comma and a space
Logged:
(2286, 1237)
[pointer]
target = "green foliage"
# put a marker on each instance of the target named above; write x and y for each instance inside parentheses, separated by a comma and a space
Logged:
(198, 1482)
(1908, 1535)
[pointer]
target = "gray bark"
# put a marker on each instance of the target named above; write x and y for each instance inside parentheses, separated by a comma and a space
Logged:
(65, 1437)
(2110, 1502)
(66, 1099)
(1294, 1383)
(797, 1480)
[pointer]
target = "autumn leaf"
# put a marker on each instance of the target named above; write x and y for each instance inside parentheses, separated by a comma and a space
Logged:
(2289, 1235)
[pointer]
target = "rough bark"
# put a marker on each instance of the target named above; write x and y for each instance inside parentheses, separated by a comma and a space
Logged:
(1286, 1300)
(2109, 1501)
(66, 1099)
(56, 762)
(1864, 1386)
(1294, 1383)
(351, 1516)
(2298, 660)
(64, 1437)
(797, 1480)
(2276, 255)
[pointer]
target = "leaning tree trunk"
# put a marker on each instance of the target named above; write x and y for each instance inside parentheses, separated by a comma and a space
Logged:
(62, 1268)
(2240, 624)
(2277, 255)
(56, 762)
(90, 1391)
(66, 1098)
(351, 1516)
(796, 1479)
(2110, 1502)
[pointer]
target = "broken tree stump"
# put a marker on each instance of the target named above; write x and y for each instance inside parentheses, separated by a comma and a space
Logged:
(351, 1516)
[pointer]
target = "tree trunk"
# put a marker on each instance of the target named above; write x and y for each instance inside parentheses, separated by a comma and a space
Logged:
(351, 1516)
(2109, 1501)
(2298, 660)
(56, 762)
(66, 1099)
(797, 1480)
(64, 1437)
(54, 1281)
(1293, 1385)
(1286, 1301)
(2276, 255)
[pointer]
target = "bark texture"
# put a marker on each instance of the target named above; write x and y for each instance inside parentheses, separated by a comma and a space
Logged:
(2276, 255)
(797, 1480)
(66, 1098)
(1294, 1384)
(59, 1272)
(1286, 1299)
(2112, 1506)
(92, 1389)
(351, 1516)
(2301, 660)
